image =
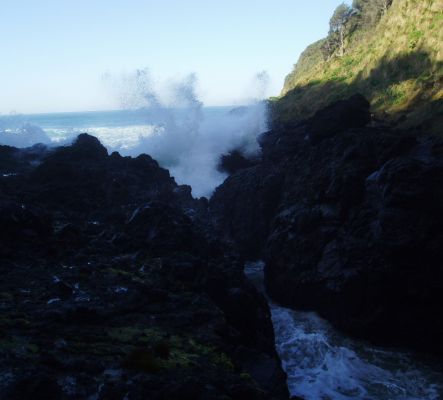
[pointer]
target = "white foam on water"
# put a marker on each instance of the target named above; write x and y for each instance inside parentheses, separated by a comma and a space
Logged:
(174, 128)
(116, 137)
(23, 135)
(323, 364)
(189, 141)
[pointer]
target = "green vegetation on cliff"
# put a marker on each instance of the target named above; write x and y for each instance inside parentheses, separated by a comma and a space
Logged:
(391, 52)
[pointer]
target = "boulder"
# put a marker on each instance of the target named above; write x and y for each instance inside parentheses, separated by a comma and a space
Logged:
(233, 162)
(344, 114)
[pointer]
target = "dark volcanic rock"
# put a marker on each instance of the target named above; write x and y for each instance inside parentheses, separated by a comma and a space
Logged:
(339, 116)
(234, 162)
(85, 148)
(354, 226)
(245, 205)
(22, 227)
(8, 159)
(115, 286)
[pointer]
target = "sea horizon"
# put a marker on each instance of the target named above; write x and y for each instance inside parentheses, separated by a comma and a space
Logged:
(14, 113)
(176, 137)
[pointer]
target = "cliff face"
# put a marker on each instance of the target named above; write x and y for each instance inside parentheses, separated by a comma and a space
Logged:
(348, 218)
(114, 286)
(396, 64)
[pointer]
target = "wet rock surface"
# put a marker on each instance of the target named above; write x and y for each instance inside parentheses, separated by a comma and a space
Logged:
(114, 286)
(349, 218)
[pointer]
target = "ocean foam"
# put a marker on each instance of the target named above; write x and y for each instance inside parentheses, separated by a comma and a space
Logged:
(182, 135)
(323, 364)
(24, 135)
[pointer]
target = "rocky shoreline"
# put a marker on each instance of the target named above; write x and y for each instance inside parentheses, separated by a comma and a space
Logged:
(118, 284)
(114, 286)
(348, 214)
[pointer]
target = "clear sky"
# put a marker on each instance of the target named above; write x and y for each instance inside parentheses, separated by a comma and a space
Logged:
(55, 52)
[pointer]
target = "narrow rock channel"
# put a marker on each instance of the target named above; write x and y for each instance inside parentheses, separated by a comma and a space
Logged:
(323, 364)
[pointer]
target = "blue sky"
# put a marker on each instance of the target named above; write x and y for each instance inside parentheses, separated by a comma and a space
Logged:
(55, 52)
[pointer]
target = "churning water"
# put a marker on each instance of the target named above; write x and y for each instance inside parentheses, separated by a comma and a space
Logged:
(322, 364)
(172, 126)
(188, 141)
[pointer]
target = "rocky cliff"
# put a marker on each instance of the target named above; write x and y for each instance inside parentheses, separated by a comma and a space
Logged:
(348, 215)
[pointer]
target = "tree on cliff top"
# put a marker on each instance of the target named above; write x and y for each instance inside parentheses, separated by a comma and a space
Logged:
(370, 11)
(338, 29)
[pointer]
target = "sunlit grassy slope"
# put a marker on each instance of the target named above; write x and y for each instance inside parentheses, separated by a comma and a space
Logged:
(397, 65)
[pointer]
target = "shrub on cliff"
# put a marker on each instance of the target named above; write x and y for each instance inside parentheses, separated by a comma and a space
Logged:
(391, 53)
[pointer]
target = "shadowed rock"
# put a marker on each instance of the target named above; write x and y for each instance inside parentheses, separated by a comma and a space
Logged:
(234, 162)
(115, 285)
(349, 221)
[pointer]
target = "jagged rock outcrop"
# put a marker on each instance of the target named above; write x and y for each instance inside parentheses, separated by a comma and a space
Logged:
(234, 161)
(114, 286)
(351, 226)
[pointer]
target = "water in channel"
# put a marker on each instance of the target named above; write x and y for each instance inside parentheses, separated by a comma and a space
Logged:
(323, 364)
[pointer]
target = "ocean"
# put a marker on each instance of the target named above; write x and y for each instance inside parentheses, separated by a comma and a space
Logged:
(187, 141)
